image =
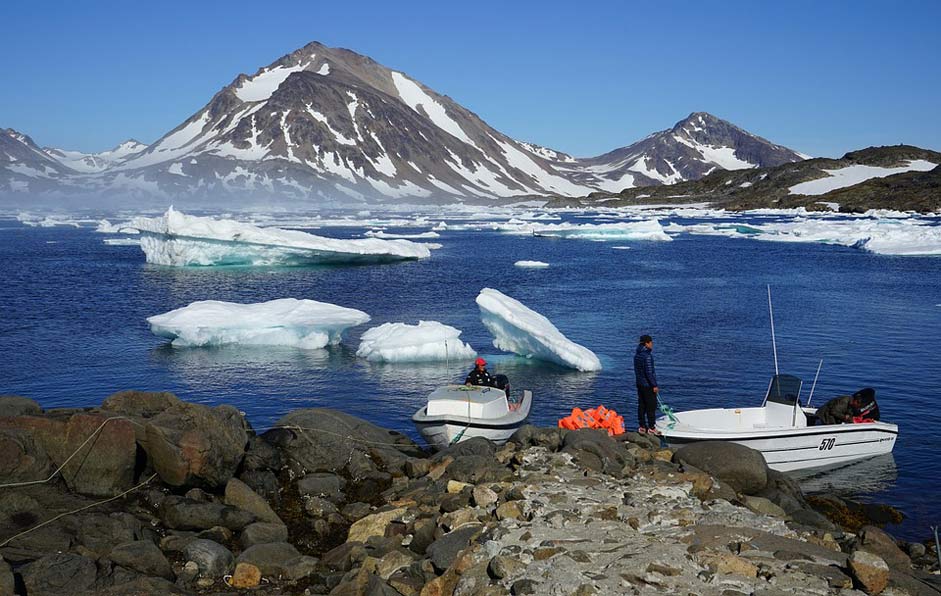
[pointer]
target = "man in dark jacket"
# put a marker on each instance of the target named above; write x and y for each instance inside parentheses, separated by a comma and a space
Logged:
(836, 411)
(479, 376)
(646, 377)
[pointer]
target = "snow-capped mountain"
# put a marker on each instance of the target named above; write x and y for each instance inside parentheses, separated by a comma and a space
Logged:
(25, 168)
(329, 124)
(95, 162)
(693, 148)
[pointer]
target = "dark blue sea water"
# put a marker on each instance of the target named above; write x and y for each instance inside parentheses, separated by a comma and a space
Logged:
(73, 331)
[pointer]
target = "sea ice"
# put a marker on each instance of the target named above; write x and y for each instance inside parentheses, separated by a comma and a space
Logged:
(517, 328)
(304, 324)
(179, 239)
(647, 229)
(532, 264)
(909, 236)
(428, 341)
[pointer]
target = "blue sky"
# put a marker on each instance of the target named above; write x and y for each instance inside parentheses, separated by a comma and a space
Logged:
(820, 77)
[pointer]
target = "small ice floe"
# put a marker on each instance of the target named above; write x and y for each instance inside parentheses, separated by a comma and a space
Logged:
(304, 324)
(183, 240)
(621, 247)
(646, 229)
(428, 341)
(532, 264)
(521, 330)
(106, 227)
(122, 241)
(391, 236)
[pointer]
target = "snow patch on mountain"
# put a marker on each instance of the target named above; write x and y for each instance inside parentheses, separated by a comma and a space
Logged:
(414, 96)
(263, 85)
(851, 175)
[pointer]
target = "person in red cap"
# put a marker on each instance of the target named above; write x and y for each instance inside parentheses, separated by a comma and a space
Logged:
(479, 376)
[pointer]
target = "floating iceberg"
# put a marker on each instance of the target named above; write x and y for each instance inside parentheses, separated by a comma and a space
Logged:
(911, 236)
(646, 229)
(532, 264)
(181, 240)
(428, 341)
(519, 329)
(388, 235)
(304, 324)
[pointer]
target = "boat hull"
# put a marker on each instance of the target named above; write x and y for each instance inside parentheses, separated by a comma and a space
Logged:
(441, 431)
(788, 449)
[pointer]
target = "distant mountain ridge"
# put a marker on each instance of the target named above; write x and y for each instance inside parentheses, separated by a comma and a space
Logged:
(329, 124)
(900, 177)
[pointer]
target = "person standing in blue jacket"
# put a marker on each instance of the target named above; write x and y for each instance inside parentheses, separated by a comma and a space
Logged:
(647, 388)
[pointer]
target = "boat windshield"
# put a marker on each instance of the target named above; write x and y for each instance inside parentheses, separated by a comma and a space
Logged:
(784, 389)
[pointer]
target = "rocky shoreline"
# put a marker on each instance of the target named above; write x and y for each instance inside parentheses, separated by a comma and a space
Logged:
(148, 494)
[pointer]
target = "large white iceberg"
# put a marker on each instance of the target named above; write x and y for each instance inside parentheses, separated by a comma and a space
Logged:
(304, 324)
(517, 328)
(179, 239)
(428, 341)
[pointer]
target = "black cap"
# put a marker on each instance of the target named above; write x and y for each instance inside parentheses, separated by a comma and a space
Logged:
(645, 339)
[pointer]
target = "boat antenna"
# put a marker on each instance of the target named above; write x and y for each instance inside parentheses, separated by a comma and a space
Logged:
(774, 345)
(814, 386)
(447, 362)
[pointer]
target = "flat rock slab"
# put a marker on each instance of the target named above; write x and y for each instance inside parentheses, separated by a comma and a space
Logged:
(142, 556)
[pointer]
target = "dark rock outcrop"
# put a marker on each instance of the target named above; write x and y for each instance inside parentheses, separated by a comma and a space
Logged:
(744, 469)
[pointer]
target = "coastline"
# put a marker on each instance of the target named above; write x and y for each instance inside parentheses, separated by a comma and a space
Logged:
(165, 496)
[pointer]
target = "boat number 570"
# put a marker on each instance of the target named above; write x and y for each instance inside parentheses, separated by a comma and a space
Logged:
(827, 444)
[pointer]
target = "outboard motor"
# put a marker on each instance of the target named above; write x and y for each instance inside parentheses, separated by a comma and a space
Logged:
(868, 408)
(502, 382)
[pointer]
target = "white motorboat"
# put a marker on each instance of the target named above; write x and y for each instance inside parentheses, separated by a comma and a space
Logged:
(789, 436)
(458, 412)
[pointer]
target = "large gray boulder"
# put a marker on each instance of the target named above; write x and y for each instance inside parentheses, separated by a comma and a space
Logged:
(24, 458)
(180, 513)
(326, 440)
(596, 450)
(14, 405)
(444, 550)
(144, 557)
(742, 468)
(278, 559)
(103, 466)
(58, 574)
(238, 494)
(187, 444)
(212, 559)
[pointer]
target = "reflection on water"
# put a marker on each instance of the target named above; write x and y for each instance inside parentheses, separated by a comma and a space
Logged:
(855, 479)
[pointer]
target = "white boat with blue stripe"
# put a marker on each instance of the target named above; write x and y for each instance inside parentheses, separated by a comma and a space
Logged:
(789, 436)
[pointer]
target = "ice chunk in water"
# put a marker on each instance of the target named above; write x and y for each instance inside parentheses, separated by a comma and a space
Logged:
(519, 329)
(181, 240)
(286, 322)
(426, 342)
(532, 264)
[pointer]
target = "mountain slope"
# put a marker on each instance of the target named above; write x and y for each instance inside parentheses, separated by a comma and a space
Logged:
(693, 148)
(328, 124)
(25, 168)
(898, 177)
(95, 162)
(331, 120)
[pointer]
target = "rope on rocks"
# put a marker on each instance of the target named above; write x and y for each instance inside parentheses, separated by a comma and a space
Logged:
(69, 458)
(74, 511)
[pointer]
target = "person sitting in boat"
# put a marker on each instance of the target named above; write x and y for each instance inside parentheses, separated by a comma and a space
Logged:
(480, 376)
(836, 411)
(859, 407)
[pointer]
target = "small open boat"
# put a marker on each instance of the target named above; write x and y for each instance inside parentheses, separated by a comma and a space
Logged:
(789, 436)
(458, 412)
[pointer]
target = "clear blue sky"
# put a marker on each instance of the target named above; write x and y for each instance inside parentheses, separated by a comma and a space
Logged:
(583, 77)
